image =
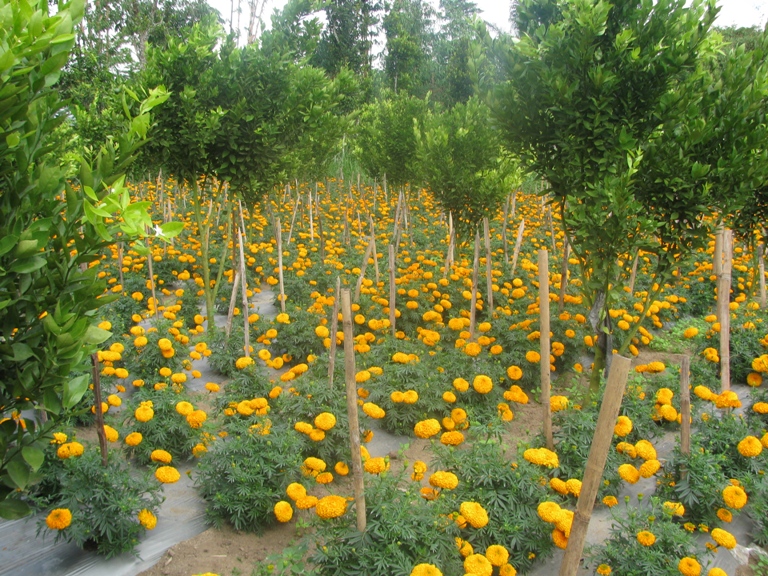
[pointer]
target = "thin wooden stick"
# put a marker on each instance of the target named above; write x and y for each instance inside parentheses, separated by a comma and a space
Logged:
(518, 241)
(232, 302)
(504, 231)
(120, 264)
(685, 407)
(152, 278)
(279, 237)
(100, 432)
(564, 276)
(354, 425)
(598, 454)
(717, 257)
(633, 274)
(761, 270)
(334, 321)
(488, 262)
(475, 275)
(723, 301)
(514, 201)
(544, 345)
(363, 266)
(372, 228)
(392, 289)
(293, 217)
(243, 288)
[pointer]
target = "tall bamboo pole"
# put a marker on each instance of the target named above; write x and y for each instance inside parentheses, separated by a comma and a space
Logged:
(563, 275)
(334, 321)
(279, 236)
(724, 312)
(598, 454)
(475, 276)
(243, 288)
(544, 345)
(685, 406)
(354, 425)
(392, 289)
(518, 241)
(232, 302)
(100, 432)
(488, 262)
(761, 271)
(633, 274)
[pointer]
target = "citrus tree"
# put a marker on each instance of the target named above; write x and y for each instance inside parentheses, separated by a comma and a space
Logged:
(52, 232)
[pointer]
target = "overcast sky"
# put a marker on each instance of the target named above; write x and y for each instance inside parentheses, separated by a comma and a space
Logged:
(732, 12)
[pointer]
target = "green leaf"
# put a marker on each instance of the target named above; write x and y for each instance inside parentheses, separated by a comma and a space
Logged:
(172, 229)
(96, 335)
(21, 352)
(7, 243)
(74, 390)
(29, 265)
(13, 509)
(13, 139)
(33, 456)
(18, 473)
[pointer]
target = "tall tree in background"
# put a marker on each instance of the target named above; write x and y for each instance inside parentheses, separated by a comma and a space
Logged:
(407, 61)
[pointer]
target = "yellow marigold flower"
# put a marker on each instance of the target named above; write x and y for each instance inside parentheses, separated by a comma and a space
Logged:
(557, 403)
(507, 570)
(196, 418)
(164, 344)
(315, 464)
(212, 387)
(675, 508)
(362, 376)
(629, 473)
(754, 379)
(243, 362)
(110, 433)
(646, 538)
(482, 384)
(704, 393)
(604, 570)
(427, 428)
(727, 399)
(532, 356)
(161, 456)
(167, 474)
(306, 502)
(474, 513)
(623, 426)
(497, 555)
(559, 538)
(542, 457)
(691, 332)
(452, 438)
(649, 468)
(564, 521)
(750, 447)
(147, 519)
(664, 396)
(410, 397)
(461, 385)
(445, 480)
(645, 450)
(723, 538)
(198, 450)
(331, 507)
(429, 493)
(689, 567)
(426, 570)
(70, 450)
(324, 478)
(283, 511)
(610, 501)
(325, 421)
(669, 413)
(322, 332)
(574, 486)
(374, 411)
(548, 511)
(734, 497)
(341, 468)
(295, 491)
(59, 519)
(478, 565)
(558, 486)
(59, 438)
(724, 515)
(516, 394)
(184, 408)
(376, 465)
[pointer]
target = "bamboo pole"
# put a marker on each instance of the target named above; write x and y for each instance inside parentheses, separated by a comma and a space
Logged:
(514, 202)
(354, 425)
(761, 271)
(363, 266)
(334, 329)
(392, 289)
(598, 454)
(293, 217)
(243, 288)
(475, 275)
(544, 345)
(101, 433)
(311, 208)
(518, 241)
(279, 237)
(451, 242)
(685, 406)
(724, 312)
(320, 228)
(717, 257)
(488, 274)
(152, 277)
(633, 274)
(232, 302)
(120, 263)
(375, 255)
(563, 275)
(504, 231)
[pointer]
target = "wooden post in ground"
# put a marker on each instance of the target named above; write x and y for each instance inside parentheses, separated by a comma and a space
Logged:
(354, 425)
(685, 408)
(243, 288)
(232, 302)
(563, 275)
(488, 262)
(514, 201)
(320, 228)
(761, 270)
(102, 434)
(724, 312)
(544, 345)
(504, 231)
(717, 257)
(633, 274)
(152, 278)
(363, 266)
(392, 289)
(293, 217)
(279, 236)
(334, 321)
(375, 254)
(120, 264)
(451, 244)
(598, 454)
(475, 276)
(311, 208)
(518, 241)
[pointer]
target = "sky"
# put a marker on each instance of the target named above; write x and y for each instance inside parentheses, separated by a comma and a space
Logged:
(732, 12)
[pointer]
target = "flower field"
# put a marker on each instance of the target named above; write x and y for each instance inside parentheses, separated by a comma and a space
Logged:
(271, 443)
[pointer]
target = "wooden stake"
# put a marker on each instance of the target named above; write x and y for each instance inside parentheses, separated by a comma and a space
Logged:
(120, 263)
(761, 270)
(451, 243)
(598, 454)
(232, 302)
(685, 405)
(354, 425)
(334, 321)
(243, 288)
(633, 274)
(514, 201)
(488, 275)
(717, 257)
(564, 275)
(100, 432)
(475, 275)
(724, 312)
(392, 289)
(544, 345)
(293, 217)
(518, 241)
(373, 240)
(320, 229)
(363, 266)
(504, 231)
(279, 237)
(152, 277)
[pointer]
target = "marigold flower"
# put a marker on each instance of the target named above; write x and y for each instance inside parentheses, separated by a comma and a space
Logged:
(497, 555)
(465, 548)
(557, 403)
(478, 565)
(341, 468)
(445, 480)
(376, 465)
(374, 411)
(331, 507)
(426, 570)
(689, 567)
(167, 474)
(645, 450)
(196, 418)
(532, 356)
(629, 473)
(646, 538)
(212, 387)
(558, 485)
(144, 413)
(184, 408)
(754, 379)
(723, 538)
(610, 501)
(161, 456)
(573, 486)
(474, 513)
(482, 384)
(560, 539)
(70, 450)
(649, 468)
(59, 519)
(675, 508)
(325, 421)
(283, 511)
(59, 438)
(460, 384)
(724, 515)
(717, 572)
(734, 497)
(623, 426)
(426, 428)
(542, 457)
(453, 438)
(750, 447)
(198, 450)
(147, 519)
(548, 511)
(604, 570)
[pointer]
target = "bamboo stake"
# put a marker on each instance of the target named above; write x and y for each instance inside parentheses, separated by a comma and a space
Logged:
(451, 241)
(488, 274)
(375, 254)
(293, 219)
(152, 277)
(120, 263)
(392, 289)
(633, 274)
(279, 237)
(354, 425)
(514, 201)
(717, 261)
(102, 434)
(243, 287)
(320, 229)
(363, 266)
(685, 406)
(563, 276)
(473, 301)
(761, 271)
(598, 454)
(310, 206)
(504, 231)
(518, 241)
(232, 302)
(544, 345)
(334, 329)
(724, 312)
